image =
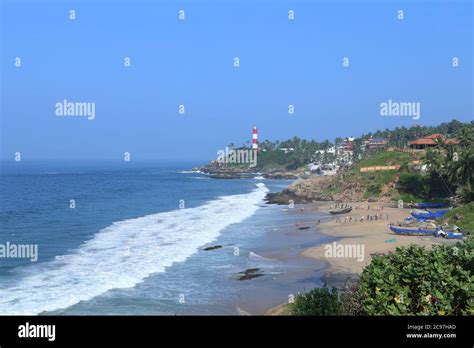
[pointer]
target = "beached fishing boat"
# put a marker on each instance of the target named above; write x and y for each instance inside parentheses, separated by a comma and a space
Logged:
(427, 214)
(340, 211)
(430, 205)
(454, 235)
(412, 231)
(451, 234)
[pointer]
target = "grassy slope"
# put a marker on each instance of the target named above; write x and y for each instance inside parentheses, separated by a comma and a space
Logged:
(374, 181)
(465, 214)
(386, 158)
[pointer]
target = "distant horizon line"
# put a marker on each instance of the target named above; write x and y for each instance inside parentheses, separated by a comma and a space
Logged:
(3, 160)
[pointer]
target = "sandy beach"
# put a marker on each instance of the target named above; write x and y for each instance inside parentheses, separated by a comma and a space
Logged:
(374, 236)
(369, 237)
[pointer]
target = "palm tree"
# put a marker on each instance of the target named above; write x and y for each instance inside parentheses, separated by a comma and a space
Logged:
(465, 135)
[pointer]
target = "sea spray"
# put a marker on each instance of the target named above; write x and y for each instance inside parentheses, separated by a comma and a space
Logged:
(124, 254)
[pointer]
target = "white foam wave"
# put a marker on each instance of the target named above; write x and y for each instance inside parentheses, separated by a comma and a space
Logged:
(256, 257)
(124, 254)
(191, 172)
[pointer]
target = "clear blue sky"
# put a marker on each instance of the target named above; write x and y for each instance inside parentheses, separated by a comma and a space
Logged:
(191, 62)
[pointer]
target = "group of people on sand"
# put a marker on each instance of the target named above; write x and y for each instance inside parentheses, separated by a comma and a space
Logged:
(362, 218)
(348, 219)
(374, 208)
(340, 206)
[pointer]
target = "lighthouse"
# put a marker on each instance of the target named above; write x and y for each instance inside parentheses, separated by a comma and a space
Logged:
(255, 138)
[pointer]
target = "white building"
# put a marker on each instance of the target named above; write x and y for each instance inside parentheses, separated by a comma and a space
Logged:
(286, 149)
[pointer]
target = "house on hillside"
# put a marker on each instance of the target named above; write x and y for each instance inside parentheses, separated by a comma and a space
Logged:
(377, 143)
(430, 141)
(331, 150)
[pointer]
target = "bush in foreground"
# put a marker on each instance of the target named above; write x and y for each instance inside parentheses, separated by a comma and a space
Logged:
(411, 281)
(418, 281)
(319, 301)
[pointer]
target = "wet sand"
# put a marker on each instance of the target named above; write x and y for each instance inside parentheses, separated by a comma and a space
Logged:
(374, 236)
(286, 243)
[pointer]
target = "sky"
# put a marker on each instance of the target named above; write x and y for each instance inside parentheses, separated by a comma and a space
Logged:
(190, 62)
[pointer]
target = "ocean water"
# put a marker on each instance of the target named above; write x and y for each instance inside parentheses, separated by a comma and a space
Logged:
(128, 247)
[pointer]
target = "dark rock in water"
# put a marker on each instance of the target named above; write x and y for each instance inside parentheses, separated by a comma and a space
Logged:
(250, 270)
(225, 176)
(303, 228)
(249, 273)
(250, 276)
(212, 247)
(280, 198)
(281, 175)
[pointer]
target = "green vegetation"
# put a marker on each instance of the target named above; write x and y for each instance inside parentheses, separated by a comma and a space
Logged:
(400, 136)
(411, 281)
(443, 171)
(449, 169)
(418, 281)
(272, 154)
(462, 216)
(373, 190)
(386, 159)
(319, 301)
(406, 197)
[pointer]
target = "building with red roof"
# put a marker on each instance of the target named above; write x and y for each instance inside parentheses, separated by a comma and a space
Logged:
(430, 141)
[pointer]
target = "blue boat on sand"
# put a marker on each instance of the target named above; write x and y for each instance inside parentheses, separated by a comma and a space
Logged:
(429, 215)
(454, 235)
(431, 205)
(426, 232)
(412, 231)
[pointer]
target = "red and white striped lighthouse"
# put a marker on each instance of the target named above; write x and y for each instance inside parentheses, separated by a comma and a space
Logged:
(255, 138)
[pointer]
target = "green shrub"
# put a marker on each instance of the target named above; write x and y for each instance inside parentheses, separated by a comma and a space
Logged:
(462, 216)
(413, 183)
(418, 281)
(373, 190)
(318, 301)
(386, 158)
(351, 299)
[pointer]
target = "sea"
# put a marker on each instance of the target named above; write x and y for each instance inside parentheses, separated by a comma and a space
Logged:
(128, 238)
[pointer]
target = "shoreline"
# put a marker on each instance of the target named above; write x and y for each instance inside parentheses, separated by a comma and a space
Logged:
(374, 236)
